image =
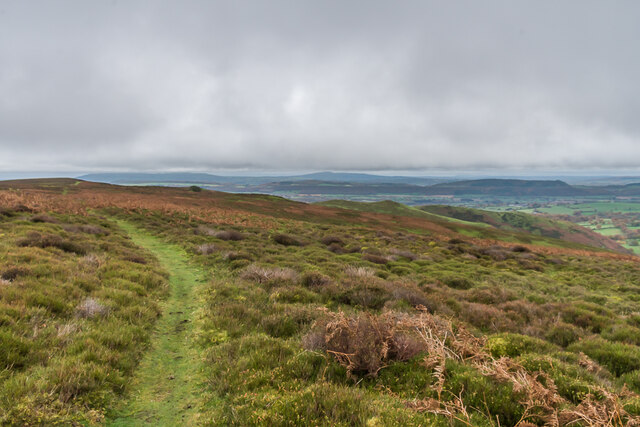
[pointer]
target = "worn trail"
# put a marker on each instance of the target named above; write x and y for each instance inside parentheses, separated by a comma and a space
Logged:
(167, 385)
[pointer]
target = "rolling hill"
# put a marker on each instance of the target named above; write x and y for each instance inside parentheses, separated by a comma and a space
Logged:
(129, 305)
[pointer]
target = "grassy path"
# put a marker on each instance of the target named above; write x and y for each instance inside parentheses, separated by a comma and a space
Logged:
(166, 388)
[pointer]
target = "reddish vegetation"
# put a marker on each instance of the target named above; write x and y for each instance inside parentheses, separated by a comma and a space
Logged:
(229, 209)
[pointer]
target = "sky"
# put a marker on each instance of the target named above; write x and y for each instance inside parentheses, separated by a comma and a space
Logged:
(422, 86)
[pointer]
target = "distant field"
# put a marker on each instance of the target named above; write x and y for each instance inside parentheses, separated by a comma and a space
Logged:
(588, 208)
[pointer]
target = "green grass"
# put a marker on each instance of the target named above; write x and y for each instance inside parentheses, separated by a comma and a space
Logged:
(325, 332)
(75, 316)
(167, 387)
(259, 373)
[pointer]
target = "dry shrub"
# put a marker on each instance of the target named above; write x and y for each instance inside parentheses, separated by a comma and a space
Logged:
(91, 308)
(219, 234)
(91, 260)
(364, 343)
(497, 253)
(535, 391)
(287, 240)
(204, 231)
(400, 253)
(256, 273)
(66, 331)
(332, 240)
(456, 241)
(314, 341)
(525, 312)
(410, 293)
(486, 317)
(206, 248)
(490, 295)
(359, 272)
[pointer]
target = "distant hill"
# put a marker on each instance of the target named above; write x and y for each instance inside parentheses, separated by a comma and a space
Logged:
(205, 178)
(508, 187)
(337, 185)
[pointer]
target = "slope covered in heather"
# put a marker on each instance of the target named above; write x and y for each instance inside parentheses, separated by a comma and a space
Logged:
(305, 314)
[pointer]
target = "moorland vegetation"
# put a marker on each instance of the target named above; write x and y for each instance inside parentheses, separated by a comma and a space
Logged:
(312, 314)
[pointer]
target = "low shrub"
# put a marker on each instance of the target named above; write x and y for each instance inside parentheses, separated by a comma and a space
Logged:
(632, 380)
(44, 218)
(585, 319)
(234, 256)
(376, 259)
(279, 325)
(13, 273)
(314, 279)
(229, 235)
(622, 333)
(136, 258)
(562, 334)
(513, 345)
(293, 295)
(286, 240)
(372, 295)
(458, 283)
(35, 239)
(332, 240)
(413, 295)
(336, 248)
(86, 228)
(619, 358)
(260, 274)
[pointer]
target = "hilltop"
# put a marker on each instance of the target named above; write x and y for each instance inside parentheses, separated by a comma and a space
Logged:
(122, 305)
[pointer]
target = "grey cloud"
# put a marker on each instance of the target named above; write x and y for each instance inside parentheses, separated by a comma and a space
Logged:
(369, 85)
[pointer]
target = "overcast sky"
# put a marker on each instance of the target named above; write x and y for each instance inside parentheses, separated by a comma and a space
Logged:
(318, 85)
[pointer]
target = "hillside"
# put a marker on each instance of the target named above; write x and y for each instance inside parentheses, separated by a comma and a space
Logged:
(134, 305)
(475, 221)
(521, 222)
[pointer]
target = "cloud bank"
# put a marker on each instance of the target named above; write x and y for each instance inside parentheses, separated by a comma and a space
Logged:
(362, 85)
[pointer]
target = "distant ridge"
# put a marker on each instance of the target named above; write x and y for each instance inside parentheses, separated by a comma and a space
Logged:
(205, 178)
(507, 187)
(335, 184)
